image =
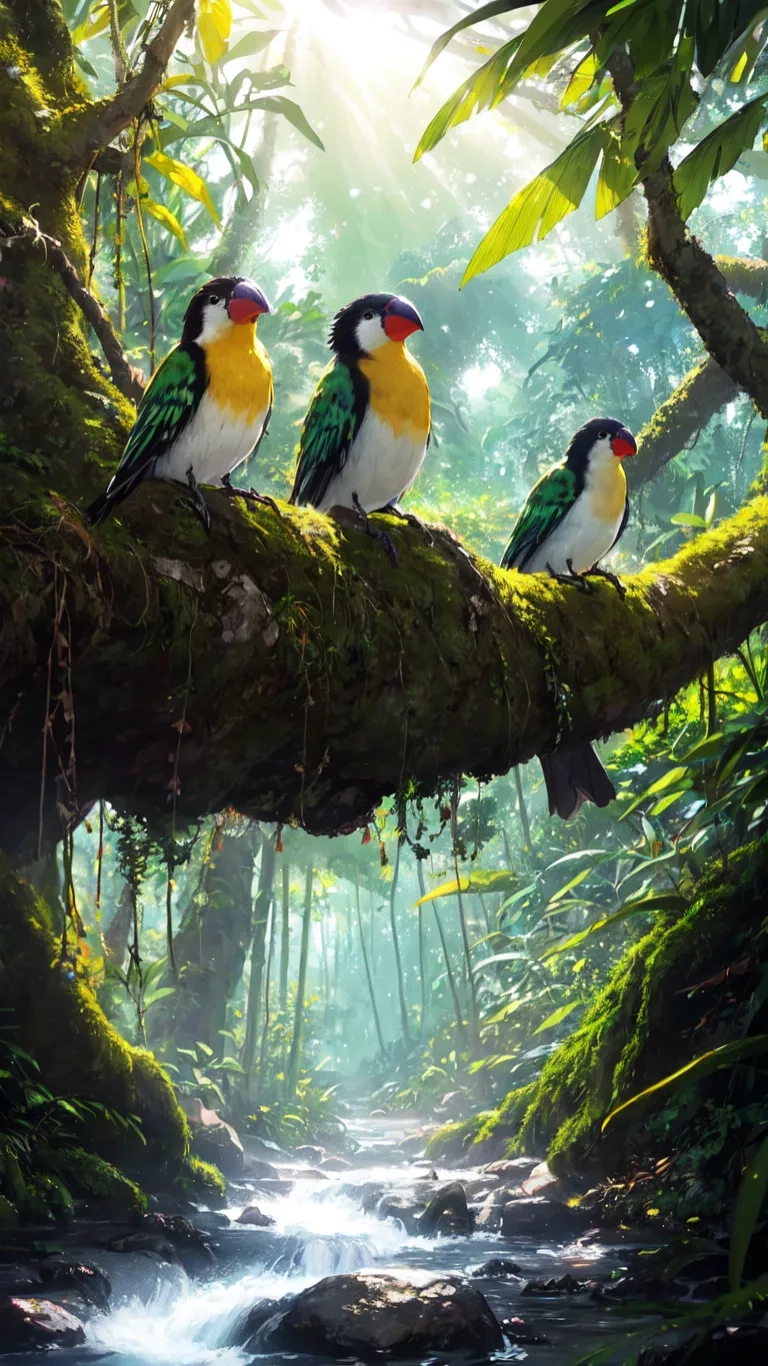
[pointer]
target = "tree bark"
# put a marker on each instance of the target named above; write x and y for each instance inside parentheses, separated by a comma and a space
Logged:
(285, 936)
(368, 974)
(438, 668)
(398, 959)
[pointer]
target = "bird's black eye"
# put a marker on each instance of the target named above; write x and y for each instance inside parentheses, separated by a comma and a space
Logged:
(602, 435)
(368, 314)
(214, 299)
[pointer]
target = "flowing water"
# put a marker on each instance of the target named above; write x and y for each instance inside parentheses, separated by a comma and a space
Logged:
(160, 1317)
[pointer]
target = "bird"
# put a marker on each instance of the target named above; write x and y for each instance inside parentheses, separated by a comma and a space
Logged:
(571, 518)
(208, 404)
(367, 428)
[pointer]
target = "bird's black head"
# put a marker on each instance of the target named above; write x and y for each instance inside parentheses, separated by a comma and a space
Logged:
(372, 321)
(601, 439)
(230, 299)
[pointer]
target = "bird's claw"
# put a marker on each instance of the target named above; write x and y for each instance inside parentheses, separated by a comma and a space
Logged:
(196, 503)
(572, 578)
(251, 495)
(374, 532)
(598, 573)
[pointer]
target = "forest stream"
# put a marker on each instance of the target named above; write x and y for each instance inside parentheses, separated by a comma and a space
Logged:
(159, 1314)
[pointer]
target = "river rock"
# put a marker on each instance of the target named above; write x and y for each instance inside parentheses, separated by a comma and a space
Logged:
(511, 1169)
(520, 1334)
(335, 1164)
(368, 1313)
(32, 1325)
(59, 1272)
(257, 1169)
(542, 1218)
(447, 1213)
(566, 1285)
(212, 1139)
(308, 1153)
(498, 1269)
(253, 1215)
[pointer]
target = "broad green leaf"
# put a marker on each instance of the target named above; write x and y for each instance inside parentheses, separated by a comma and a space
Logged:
(481, 90)
(157, 995)
(542, 204)
(728, 1055)
(639, 906)
(705, 748)
(581, 80)
(251, 44)
(749, 1204)
(617, 178)
(477, 16)
(280, 104)
(214, 25)
(672, 776)
(187, 180)
(557, 1015)
(478, 881)
(716, 154)
(97, 22)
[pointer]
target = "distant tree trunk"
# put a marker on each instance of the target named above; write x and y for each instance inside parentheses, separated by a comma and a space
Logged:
(470, 974)
(396, 947)
(525, 824)
(285, 936)
(115, 937)
(422, 965)
(458, 1013)
(294, 1059)
(211, 944)
(261, 1077)
(368, 975)
(261, 909)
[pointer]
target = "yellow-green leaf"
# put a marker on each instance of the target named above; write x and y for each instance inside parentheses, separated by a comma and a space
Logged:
(726, 1056)
(581, 80)
(557, 1016)
(543, 203)
(168, 219)
(95, 23)
(214, 25)
(186, 179)
(479, 881)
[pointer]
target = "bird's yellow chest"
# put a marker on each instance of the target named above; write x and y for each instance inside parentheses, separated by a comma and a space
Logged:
(239, 373)
(399, 393)
(606, 489)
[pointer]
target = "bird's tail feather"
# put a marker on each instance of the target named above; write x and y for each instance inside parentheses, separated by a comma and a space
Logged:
(98, 511)
(574, 775)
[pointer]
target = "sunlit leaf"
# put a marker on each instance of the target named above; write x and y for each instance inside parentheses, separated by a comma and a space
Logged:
(726, 1056)
(488, 11)
(542, 204)
(640, 906)
(477, 881)
(187, 180)
(251, 44)
(280, 104)
(717, 154)
(580, 81)
(214, 24)
(557, 1016)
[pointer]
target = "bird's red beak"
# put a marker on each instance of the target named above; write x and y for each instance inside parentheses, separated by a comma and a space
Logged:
(401, 319)
(624, 444)
(247, 303)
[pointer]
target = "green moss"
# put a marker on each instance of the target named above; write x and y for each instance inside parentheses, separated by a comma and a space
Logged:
(201, 1180)
(638, 1029)
(452, 1140)
(91, 1178)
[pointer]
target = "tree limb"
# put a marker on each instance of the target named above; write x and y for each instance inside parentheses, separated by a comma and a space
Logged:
(125, 376)
(726, 329)
(108, 118)
(678, 420)
(309, 676)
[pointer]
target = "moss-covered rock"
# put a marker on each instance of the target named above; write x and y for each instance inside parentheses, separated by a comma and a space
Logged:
(642, 1027)
(202, 1181)
(92, 1179)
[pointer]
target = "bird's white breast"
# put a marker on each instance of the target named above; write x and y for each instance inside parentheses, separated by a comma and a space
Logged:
(214, 443)
(583, 537)
(379, 468)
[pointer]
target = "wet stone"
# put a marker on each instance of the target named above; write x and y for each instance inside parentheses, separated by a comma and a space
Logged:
(498, 1268)
(253, 1215)
(35, 1325)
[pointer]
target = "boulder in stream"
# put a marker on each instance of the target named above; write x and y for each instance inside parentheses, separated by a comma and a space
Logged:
(213, 1140)
(498, 1268)
(447, 1213)
(308, 1153)
(32, 1325)
(253, 1215)
(335, 1164)
(259, 1170)
(367, 1313)
(543, 1218)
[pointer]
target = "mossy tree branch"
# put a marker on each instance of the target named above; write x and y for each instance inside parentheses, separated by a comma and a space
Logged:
(316, 677)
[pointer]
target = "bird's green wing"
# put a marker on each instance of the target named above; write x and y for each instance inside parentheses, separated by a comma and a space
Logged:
(332, 422)
(545, 507)
(168, 403)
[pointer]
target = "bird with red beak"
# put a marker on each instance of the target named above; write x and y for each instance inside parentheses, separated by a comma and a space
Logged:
(571, 519)
(207, 406)
(367, 427)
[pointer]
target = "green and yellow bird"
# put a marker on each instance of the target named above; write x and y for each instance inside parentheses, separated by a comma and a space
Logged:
(207, 406)
(367, 427)
(572, 517)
